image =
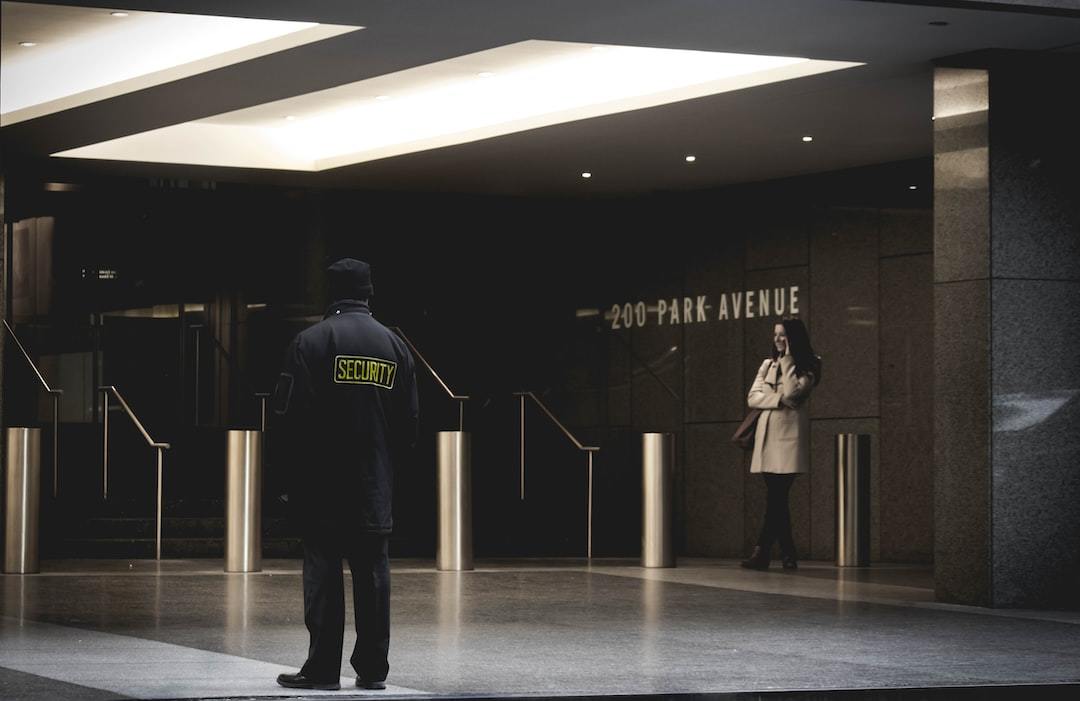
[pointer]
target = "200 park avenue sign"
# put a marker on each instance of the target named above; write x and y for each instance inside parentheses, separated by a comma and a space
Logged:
(699, 309)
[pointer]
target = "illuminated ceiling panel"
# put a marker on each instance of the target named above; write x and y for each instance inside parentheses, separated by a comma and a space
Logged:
(508, 89)
(80, 55)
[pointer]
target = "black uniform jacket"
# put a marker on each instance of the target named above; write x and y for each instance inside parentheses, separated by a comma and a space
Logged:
(345, 411)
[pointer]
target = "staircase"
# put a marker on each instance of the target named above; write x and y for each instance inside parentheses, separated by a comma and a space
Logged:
(182, 537)
(82, 523)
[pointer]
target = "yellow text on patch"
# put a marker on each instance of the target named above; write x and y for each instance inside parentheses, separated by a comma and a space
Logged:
(359, 370)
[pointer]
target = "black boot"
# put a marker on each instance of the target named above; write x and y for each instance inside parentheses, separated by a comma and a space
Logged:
(787, 555)
(302, 681)
(758, 560)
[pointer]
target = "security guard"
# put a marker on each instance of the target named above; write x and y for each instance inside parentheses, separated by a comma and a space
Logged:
(345, 410)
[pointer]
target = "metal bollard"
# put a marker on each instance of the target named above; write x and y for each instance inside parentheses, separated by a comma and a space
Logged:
(657, 465)
(852, 500)
(243, 502)
(23, 501)
(455, 549)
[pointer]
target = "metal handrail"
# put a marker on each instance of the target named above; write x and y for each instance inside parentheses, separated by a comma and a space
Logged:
(459, 398)
(262, 397)
(160, 447)
(26, 355)
(55, 394)
(233, 365)
(587, 449)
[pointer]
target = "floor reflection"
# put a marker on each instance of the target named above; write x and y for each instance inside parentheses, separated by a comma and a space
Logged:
(238, 588)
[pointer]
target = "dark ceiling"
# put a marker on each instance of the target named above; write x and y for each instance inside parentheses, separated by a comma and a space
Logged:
(876, 113)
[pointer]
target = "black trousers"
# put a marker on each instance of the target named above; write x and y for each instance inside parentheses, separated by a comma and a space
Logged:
(324, 603)
(777, 526)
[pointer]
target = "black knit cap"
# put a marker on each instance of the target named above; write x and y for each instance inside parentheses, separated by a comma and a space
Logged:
(349, 279)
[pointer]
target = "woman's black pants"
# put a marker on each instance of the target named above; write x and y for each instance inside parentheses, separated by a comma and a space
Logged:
(777, 526)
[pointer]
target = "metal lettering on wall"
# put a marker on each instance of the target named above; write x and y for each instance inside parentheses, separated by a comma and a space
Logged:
(747, 304)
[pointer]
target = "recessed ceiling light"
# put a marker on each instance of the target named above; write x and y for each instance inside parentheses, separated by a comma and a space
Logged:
(290, 117)
(85, 58)
(586, 175)
(541, 83)
(691, 159)
(119, 14)
(913, 187)
(808, 139)
(485, 74)
(61, 187)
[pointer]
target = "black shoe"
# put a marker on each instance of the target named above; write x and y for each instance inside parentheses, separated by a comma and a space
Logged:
(790, 563)
(758, 560)
(299, 681)
(375, 685)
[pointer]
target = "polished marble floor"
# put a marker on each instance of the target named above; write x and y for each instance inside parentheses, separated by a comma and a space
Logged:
(185, 629)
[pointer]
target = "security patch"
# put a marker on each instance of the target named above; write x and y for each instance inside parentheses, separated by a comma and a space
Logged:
(358, 370)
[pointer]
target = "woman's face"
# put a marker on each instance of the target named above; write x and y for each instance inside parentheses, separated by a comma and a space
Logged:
(780, 338)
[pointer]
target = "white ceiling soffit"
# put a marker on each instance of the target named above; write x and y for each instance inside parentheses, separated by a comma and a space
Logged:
(79, 55)
(512, 88)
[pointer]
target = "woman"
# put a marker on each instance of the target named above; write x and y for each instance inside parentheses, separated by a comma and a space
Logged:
(782, 437)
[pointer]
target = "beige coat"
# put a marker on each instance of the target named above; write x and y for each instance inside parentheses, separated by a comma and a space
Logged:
(782, 438)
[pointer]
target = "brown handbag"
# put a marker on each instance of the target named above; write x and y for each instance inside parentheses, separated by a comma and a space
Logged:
(744, 434)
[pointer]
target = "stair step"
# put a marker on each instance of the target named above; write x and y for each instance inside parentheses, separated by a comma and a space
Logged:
(172, 527)
(91, 505)
(140, 548)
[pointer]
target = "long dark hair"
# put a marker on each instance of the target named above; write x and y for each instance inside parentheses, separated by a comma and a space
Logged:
(798, 339)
